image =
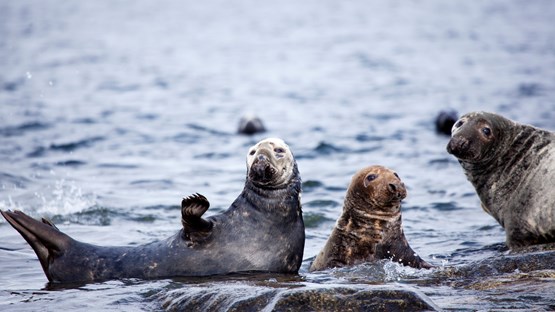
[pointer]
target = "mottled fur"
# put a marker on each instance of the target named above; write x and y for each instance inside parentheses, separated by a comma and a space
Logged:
(512, 168)
(370, 227)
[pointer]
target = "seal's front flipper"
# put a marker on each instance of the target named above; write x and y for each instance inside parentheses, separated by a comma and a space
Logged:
(195, 228)
(45, 239)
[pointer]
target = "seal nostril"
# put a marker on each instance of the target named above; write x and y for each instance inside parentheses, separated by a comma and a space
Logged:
(392, 187)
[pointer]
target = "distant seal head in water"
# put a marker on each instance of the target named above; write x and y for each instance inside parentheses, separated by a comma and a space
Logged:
(445, 120)
(370, 227)
(262, 230)
(512, 168)
(250, 124)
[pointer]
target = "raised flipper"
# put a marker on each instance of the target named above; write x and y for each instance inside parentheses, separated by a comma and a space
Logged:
(45, 239)
(195, 228)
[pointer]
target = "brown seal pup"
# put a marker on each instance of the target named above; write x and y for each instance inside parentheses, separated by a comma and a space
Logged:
(512, 168)
(263, 230)
(369, 228)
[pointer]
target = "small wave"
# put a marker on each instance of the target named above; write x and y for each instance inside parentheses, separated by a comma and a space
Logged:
(118, 166)
(324, 148)
(311, 185)
(71, 163)
(71, 146)
(213, 155)
(206, 129)
(23, 128)
(312, 220)
(10, 180)
(153, 184)
(364, 137)
(450, 206)
(321, 203)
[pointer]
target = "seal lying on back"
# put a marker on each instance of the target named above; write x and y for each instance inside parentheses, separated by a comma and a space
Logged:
(369, 228)
(512, 168)
(263, 230)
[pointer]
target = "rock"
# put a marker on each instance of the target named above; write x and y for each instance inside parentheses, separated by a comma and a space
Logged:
(295, 297)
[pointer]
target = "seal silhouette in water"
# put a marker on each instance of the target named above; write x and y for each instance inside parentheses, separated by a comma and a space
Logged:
(250, 124)
(263, 230)
(369, 228)
(512, 168)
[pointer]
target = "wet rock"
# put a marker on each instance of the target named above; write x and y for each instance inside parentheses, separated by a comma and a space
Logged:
(508, 271)
(352, 298)
(305, 297)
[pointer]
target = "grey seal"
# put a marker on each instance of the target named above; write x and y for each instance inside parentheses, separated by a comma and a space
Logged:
(262, 230)
(370, 226)
(512, 168)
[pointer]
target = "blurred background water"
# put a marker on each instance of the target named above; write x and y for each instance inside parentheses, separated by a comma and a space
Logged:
(112, 111)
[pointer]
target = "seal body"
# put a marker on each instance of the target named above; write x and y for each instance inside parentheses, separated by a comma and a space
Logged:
(370, 227)
(512, 168)
(262, 230)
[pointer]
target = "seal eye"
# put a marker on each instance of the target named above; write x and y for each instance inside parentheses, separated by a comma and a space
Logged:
(279, 150)
(252, 152)
(459, 123)
(395, 173)
(486, 131)
(371, 177)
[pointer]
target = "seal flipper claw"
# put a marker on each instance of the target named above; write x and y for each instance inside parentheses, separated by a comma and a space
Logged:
(195, 228)
(45, 238)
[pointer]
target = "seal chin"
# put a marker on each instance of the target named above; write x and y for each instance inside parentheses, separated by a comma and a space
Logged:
(262, 172)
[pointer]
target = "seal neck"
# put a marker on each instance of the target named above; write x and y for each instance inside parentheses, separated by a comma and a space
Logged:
(370, 217)
(283, 200)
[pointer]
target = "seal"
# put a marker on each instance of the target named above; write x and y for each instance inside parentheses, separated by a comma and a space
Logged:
(370, 227)
(262, 231)
(512, 168)
(445, 120)
(250, 124)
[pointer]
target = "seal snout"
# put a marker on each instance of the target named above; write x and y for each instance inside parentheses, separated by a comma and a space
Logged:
(262, 169)
(398, 190)
(458, 146)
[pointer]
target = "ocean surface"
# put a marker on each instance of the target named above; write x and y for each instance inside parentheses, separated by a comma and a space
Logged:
(112, 111)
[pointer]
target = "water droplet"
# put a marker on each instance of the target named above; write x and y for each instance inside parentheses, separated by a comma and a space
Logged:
(51, 83)
(28, 74)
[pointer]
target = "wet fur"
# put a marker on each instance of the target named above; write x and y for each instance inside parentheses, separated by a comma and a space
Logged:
(262, 230)
(513, 173)
(370, 227)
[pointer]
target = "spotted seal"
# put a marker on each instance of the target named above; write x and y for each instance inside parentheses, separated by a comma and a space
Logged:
(512, 168)
(369, 228)
(262, 230)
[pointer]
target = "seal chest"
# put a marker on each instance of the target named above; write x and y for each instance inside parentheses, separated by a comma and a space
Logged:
(512, 168)
(369, 229)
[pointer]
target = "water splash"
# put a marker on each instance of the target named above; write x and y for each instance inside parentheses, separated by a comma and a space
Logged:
(66, 198)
